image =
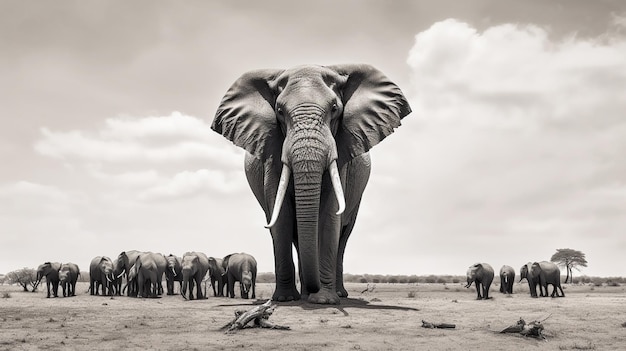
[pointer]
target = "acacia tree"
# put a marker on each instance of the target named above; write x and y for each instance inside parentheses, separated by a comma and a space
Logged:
(569, 259)
(23, 277)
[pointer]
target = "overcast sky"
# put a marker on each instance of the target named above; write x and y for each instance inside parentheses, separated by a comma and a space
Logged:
(516, 145)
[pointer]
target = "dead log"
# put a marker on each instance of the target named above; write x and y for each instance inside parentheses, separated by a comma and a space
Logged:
(259, 314)
(437, 325)
(532, 329)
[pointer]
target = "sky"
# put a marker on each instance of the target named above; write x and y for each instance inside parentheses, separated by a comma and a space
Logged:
(515, 146)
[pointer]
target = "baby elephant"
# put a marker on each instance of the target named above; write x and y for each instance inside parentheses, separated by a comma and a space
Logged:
(240, 267)
(482, 275)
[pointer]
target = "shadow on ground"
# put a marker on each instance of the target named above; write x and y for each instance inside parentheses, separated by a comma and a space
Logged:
(345, 303)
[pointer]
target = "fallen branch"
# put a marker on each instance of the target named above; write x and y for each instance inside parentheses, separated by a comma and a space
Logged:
(533, 329)
(259, 314)
(437, 325)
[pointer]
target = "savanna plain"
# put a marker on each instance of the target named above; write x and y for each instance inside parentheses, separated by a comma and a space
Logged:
(383, 317)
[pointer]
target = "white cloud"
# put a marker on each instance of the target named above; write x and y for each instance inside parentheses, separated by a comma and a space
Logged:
(202, 181)
(174, 138)
(514, 137)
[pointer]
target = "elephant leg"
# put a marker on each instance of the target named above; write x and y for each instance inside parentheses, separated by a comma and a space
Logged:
(48, 288)
(477, 285)
(231, 286)
(354, 181)
(199, 294)
(254, 288)
(343, 240)
(283, 238)
(486, 291)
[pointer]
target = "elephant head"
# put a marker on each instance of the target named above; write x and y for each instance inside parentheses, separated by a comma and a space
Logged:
(313, 120)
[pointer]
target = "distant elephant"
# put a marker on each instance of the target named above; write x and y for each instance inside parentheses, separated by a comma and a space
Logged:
(173, 273)
(149, 274)
(240, 267)
(125, 260)
(482, 275)
(307, 132)
(50, 270)
(195, 266)
(547, 273)
(68, 275)
(217, 273)
(101, 274)
(524, 273)
(507, 278)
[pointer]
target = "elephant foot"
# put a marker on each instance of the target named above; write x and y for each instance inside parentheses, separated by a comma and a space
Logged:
(324, 297)
(286, 294)
(342, 292)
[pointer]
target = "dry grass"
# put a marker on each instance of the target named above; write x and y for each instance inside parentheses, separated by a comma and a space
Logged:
(387, 318)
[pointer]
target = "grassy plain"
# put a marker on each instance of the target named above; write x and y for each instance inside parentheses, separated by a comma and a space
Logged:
(389, 317)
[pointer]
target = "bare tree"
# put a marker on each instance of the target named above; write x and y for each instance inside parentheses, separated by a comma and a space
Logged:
(569, 259)
(23, 277)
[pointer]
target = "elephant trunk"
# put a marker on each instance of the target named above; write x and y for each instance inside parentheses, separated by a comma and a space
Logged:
(307, 216)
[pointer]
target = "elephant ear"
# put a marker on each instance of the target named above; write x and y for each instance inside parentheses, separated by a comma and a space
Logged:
(373, 108)
(246, 114)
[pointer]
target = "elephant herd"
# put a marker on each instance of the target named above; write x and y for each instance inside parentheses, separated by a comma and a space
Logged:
(143, 273)
(536, 274)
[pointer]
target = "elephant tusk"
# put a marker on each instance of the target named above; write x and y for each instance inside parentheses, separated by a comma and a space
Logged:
(173, 271)
(121, 274)
(280, 195)
(334, 176)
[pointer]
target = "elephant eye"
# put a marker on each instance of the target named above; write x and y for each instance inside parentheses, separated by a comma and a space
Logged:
(334, 108)
(279, 111)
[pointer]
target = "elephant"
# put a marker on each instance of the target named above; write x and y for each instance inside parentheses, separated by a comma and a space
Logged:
(50, 270)
(101, 274)
(195, 266)
(507, 278)
(218, 275)
(173, 273)
(148, 273)
(482, 275)
(240, 267)
(545, 273)
(125, 261)
(68, 275)
(307, 132)
(532, 281)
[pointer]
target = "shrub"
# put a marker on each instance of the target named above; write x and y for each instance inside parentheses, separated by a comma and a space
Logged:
(6, 295)
(411, 294)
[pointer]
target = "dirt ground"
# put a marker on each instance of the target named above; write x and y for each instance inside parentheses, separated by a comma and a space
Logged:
(387, 318)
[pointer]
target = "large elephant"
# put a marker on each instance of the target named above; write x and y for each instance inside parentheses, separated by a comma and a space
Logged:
(50, 270)
(507, 278)
(545, 273)
(217, 273)
(195, 266)
(173, 273)
(101, 274)
(482, 275)
(68, 275)
(240, 267)
(125, 260)
(307, 132)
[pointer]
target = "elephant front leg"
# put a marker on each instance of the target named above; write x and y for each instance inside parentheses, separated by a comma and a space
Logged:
(343, 240)
(283, 239)
(478, 285)
(329, 245)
